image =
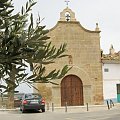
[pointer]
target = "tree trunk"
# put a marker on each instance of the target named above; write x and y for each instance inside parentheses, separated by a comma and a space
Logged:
(10, 103)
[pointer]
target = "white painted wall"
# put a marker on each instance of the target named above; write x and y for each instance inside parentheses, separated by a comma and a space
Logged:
(110, 79)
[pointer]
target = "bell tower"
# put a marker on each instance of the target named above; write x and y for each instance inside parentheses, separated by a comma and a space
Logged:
(67, 15)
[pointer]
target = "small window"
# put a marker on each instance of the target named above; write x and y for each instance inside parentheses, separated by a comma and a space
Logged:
(106, 70)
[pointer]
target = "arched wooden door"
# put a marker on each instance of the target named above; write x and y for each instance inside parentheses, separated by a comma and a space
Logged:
(71, 91)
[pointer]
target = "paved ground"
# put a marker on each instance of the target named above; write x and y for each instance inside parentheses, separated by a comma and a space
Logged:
(113, 114)
(59, 113)
(73, 109)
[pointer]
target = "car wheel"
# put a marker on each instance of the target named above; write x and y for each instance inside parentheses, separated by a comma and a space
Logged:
(43, 110)
(23, 111)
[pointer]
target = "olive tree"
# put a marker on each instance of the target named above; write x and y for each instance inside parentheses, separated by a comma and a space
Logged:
(24, 41)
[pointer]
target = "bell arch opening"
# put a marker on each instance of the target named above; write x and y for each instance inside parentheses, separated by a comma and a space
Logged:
(67, 16)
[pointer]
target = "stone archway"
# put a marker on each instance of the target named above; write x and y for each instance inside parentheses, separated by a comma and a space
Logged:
(71, 91)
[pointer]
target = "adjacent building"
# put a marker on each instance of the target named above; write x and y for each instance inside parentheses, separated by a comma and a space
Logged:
(111, 75)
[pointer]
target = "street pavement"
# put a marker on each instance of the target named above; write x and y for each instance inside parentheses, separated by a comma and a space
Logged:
(60, 114)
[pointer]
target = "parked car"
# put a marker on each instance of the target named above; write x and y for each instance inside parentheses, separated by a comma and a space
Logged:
(32, 101)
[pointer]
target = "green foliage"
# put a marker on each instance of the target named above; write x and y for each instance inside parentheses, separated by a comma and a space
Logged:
(23, 41)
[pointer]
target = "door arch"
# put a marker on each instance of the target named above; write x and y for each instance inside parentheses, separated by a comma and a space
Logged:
(71, 91)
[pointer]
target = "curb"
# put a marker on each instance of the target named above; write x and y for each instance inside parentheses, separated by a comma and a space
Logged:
(71, 108)
(4, 109)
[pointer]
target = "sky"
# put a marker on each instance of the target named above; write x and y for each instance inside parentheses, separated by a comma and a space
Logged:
(88, 13)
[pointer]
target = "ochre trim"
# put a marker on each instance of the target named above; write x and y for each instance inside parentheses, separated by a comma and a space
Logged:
(111, 61)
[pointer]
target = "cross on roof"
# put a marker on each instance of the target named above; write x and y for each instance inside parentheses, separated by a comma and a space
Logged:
(67, 1)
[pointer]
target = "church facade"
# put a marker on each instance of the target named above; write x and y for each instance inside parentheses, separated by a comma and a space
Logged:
(83, 83)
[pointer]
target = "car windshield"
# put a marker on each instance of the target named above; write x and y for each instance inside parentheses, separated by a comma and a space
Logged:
(32, 96)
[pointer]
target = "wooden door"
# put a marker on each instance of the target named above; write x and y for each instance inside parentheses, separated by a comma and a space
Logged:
(71, 91)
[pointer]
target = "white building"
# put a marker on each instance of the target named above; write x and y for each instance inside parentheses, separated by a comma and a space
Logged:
(111, 75)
